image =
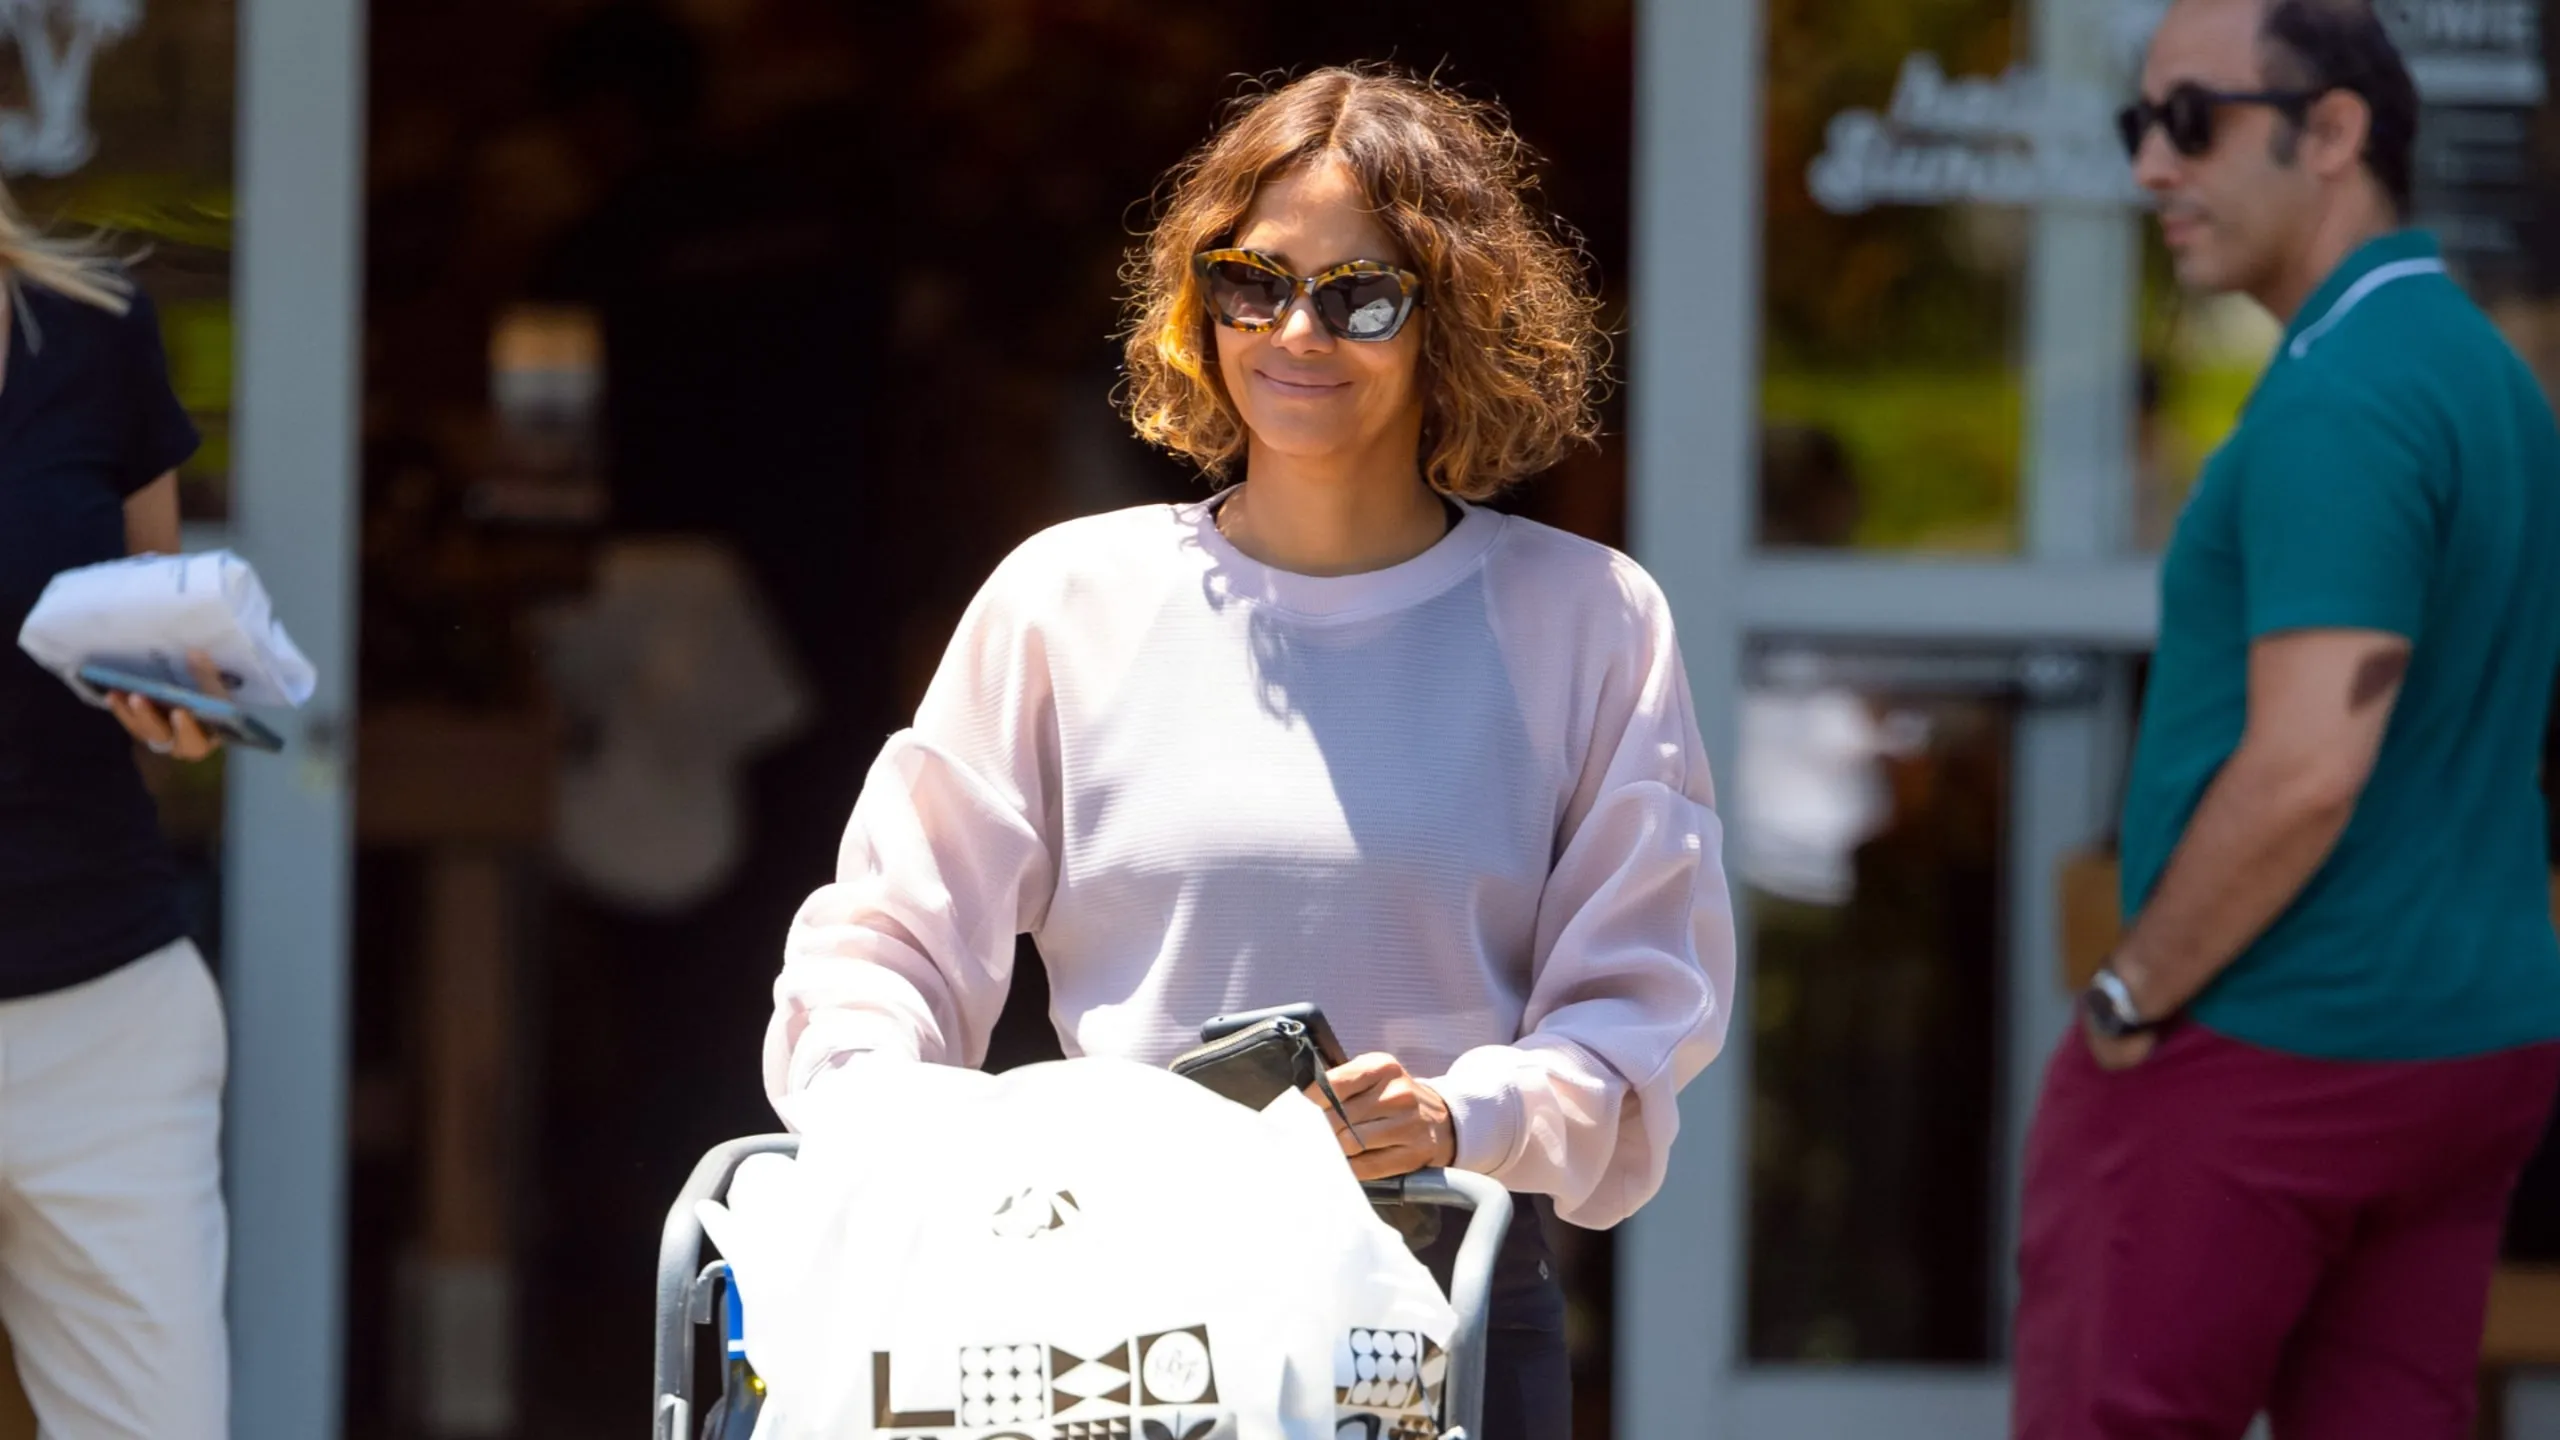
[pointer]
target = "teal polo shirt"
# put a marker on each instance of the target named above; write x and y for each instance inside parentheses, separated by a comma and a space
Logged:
(2397, 469)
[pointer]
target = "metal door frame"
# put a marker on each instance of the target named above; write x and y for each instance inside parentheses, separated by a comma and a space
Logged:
(288, 843)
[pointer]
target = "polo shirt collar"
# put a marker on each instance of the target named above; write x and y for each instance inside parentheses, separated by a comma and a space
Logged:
(2395, 248)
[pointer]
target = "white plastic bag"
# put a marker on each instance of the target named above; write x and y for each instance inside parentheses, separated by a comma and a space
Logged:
(1085, 1250)
(144, 613)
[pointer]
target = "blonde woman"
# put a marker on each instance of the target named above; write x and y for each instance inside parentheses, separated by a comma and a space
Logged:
(1336, 733)
(111, 1034)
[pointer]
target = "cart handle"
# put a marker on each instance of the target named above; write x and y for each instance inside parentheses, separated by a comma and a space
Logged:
(680, 1266)
(1470, 1279)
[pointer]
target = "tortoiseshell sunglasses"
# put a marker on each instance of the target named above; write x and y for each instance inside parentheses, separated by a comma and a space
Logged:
(1361, 300)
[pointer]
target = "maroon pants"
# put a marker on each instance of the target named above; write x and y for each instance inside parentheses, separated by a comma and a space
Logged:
(2223, 1231)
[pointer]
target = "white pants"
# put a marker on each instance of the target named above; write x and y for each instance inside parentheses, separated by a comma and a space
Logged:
(112, 1238)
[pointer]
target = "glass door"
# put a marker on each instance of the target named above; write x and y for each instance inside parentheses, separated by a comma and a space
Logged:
(1945, 420)
(1903, 537)
(1915, 407)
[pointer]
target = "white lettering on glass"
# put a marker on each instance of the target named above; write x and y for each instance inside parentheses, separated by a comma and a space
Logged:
(57, 41)
(2013, 139)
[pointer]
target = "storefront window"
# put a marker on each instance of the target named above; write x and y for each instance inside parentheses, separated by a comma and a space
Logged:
(1911, 149)
(1890, 388)
(119, 117)
(1871, 835)
(2488, 165)
(2200, 357)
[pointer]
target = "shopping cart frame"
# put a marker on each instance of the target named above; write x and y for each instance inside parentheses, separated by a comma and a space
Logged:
(688, 1286)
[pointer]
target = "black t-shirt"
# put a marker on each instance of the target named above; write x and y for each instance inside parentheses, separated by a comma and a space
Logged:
(86, 419)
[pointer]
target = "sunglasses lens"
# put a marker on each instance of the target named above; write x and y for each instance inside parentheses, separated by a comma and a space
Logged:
(1362, 307)
(2132, 123)
(2188, 117)
(1244, 295)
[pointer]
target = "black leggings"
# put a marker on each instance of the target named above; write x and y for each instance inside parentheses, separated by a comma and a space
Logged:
(1528, 1382)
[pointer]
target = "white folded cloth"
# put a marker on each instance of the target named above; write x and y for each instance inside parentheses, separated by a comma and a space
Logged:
(144, 613)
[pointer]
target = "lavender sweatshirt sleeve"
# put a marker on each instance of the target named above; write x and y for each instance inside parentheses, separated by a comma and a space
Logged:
(949, 856)
(1633, 966)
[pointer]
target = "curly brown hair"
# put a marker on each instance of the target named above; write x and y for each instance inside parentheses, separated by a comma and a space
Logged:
(1513, 356)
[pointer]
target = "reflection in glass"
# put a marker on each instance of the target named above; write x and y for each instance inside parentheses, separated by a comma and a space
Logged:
(1891, 331)
(2533, 1219)
(147, 158)
(2201, 355)
(1870, 833)
(546, 403)
(2519, 285)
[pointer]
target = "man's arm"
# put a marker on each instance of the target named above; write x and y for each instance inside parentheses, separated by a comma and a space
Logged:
(2318, 703)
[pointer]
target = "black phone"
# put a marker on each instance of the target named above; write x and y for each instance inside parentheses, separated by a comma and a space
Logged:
(1311, 1016)
(221, 717)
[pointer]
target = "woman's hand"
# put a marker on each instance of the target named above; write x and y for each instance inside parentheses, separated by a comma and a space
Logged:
(171, 731)
(1398, 1124)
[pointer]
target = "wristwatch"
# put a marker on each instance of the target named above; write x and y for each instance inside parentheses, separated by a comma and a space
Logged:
(2112, 1012)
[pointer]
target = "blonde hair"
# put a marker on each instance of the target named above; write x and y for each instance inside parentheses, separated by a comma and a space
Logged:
(1513, 357)
(79, 269)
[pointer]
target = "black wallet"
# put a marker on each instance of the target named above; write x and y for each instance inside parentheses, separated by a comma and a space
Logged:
(1256, 1064)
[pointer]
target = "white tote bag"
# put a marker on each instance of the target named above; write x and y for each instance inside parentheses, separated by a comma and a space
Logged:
(1084, 1250)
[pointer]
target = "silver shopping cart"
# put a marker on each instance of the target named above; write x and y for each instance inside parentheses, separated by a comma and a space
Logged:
(692, 1290)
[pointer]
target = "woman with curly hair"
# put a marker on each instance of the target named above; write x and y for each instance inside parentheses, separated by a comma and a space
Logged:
(1334, 733)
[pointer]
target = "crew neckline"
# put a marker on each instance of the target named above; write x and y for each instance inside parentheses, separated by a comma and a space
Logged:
(1369, 592)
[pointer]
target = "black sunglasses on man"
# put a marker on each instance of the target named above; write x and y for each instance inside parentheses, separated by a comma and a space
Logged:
(2186, 114)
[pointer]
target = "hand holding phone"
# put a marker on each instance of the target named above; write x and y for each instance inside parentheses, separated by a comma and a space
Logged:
(173, 720)
(1391, 1122)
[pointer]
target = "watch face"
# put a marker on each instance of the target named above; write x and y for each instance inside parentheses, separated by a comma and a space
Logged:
(2110, 1021)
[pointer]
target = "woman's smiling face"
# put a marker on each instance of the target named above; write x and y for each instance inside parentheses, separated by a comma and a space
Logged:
(1301, 392)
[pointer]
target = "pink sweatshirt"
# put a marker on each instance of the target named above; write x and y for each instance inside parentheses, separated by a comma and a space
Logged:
(1460, 803)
